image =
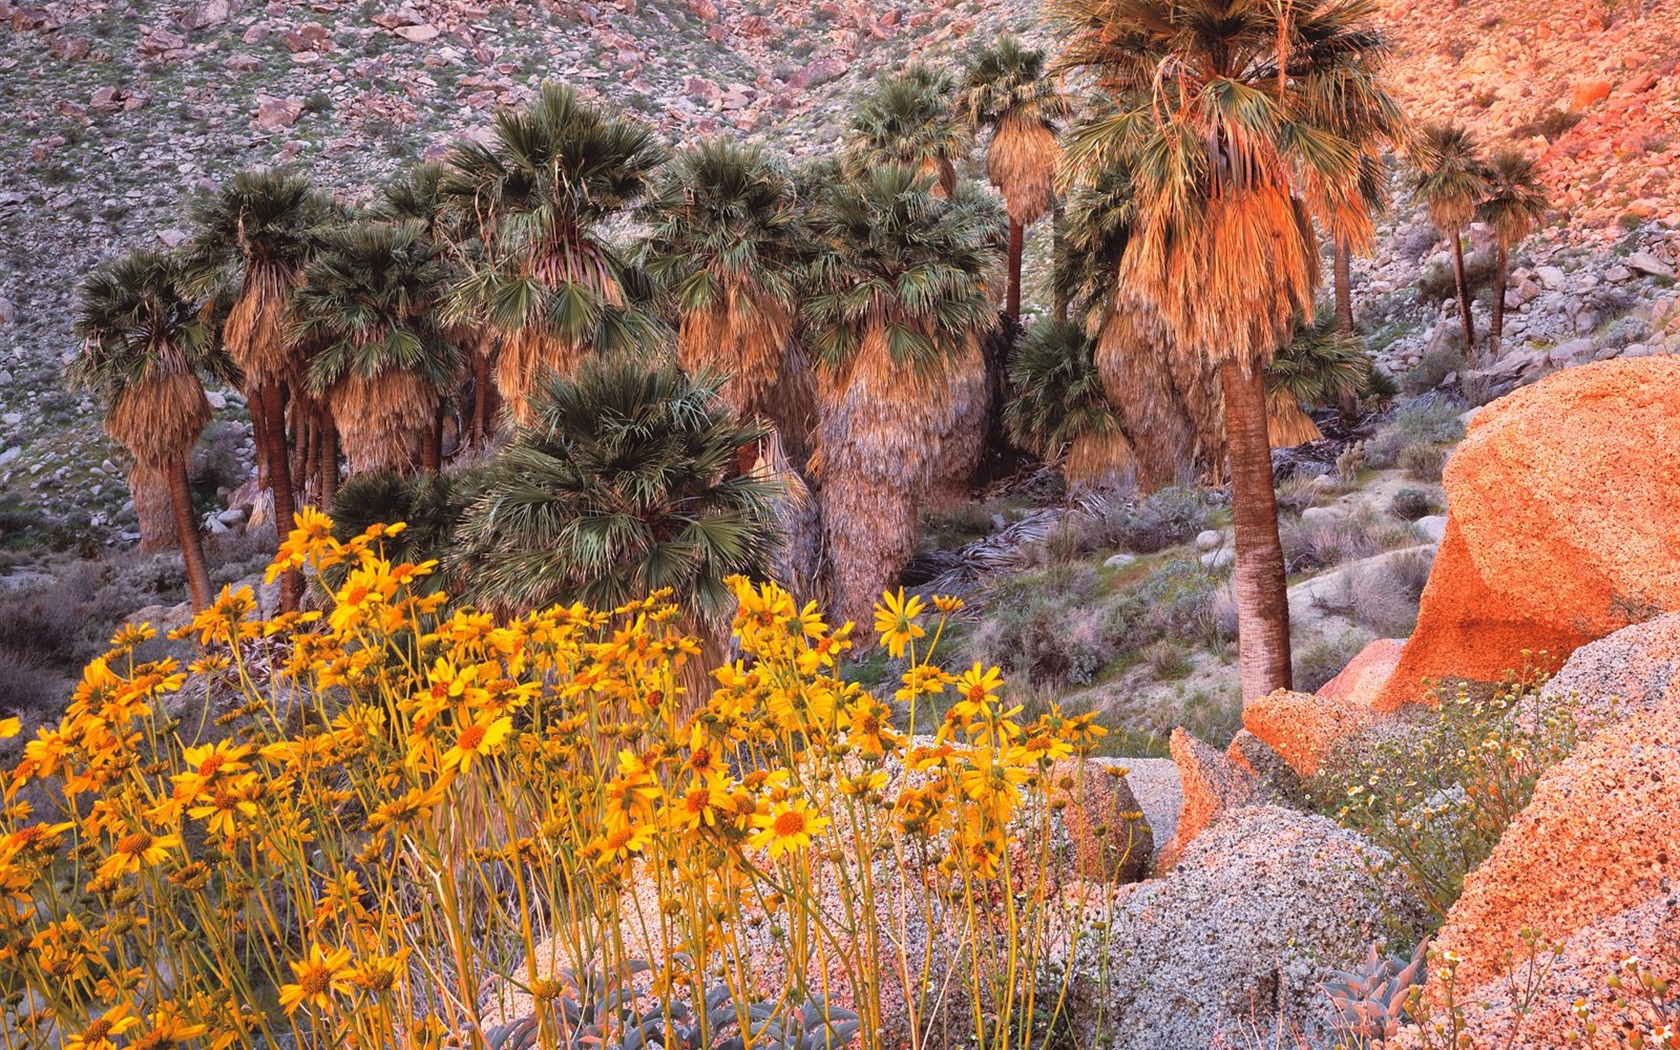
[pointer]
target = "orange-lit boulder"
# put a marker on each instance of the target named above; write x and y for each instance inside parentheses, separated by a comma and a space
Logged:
(1212, 784)
(1562, 525)
(1601, 836)
(1302, 727)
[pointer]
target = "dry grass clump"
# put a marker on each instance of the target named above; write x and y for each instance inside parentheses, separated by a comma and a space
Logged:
(1323, 658)
(1426, 421)
(1412, 504)
(1326, 540)
(1382, 597)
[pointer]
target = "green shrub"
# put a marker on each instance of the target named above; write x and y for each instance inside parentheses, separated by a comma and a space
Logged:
(1325, 541)
(1323, 658)
(1411, 504)
(1437, 283)
(1439, 794)
(1433, 368)
(1432, 421)
(1423, 462)
(1163, 519)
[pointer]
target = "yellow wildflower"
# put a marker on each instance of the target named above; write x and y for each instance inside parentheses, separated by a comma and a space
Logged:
(319, 977)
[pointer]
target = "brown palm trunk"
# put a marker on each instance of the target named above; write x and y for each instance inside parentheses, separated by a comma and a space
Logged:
(259, 433)
(431, 451)
(1464, 298)
(186, 534)
(1057, 248)
(1261, 586)
(328, 465)
(1017, 238)
(1496, 327)
(484, 397)
(1344, 286)
(280, 484)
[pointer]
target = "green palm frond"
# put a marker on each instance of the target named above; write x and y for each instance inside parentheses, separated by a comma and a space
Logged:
(728, 217)
(1008, 79)
(907, 120)
(1516, 201)
(1060, 392)
(369, 303)
(1321, 365)
(138, 325)
(1096, 229)
(1448, 175)
(256, 221)
(624, 484)
(886, 248)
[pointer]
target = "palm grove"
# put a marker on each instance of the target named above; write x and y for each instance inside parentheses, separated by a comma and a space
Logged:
(584, 367)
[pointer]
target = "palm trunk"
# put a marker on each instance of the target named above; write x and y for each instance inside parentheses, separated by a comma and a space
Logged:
(1496, 328)
(1017, 238)
(328, 465)
(1057, 243)
(259, 433)
(1344, 285)
(280, 484)
(484, 397)
(431, 451)
(186, 533)
(1261, 586)
(1463, 298)
(150, 490)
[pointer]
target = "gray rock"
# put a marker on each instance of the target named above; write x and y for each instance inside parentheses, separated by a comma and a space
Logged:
(1646, 263)
(1208, 539)
(1623, 673)
(1553, 278)
(1432, 527)
(10, 456)
(1119, 561)
(1218, 559)
(1261, 908)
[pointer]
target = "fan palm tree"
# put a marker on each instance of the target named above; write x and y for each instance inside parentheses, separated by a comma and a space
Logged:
(1514, 205)
(254, 235)
(548, 284)
(1157, 391)
(908, 121)
(622, 484)
(369, 302)
(1062, 407)
(1007, 90)
(143, 349)
(901, 292)
(1450, 177)
(419, 196)
(727, 238)
(1322, 365)
(1222, 115)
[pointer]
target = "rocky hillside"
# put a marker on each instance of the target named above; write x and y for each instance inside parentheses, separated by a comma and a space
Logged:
(117, 112)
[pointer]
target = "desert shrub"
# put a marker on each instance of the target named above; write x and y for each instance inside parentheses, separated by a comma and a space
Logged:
(1298, 492)
(1433, 368)
(1323, 658)
(60, 625)
(1438, 796)
(1163, 519)
(1425, 421)
(1553, 123)
(1409, 570)
(1411, 504)
(31, 686)
(1179, 601)
(1050, 627)
(1322, 541)
(1437, 283)
(372, 864)
(1422, 462)
(1166, 660)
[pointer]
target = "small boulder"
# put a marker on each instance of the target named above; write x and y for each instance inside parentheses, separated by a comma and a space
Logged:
(1261, 908)
(1302, 727)
(275, 114)
(1588, 94)
(1109, 839)
(1212, 784)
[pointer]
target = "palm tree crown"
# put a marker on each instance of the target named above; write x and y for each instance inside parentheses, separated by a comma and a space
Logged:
(622, 485)
(144, 347)
(1008, 91)
(908, 121)
(1449, 175)
(369, 303)
(536, 197)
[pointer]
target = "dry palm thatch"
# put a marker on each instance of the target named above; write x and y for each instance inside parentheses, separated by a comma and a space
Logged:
(1133, 357)
(256, 327)
(876, 455)
(1287, 423)
(1022, 164)
(746, 335)
(957, 426)
(383, 420)
(1100, 461)
(159, 416)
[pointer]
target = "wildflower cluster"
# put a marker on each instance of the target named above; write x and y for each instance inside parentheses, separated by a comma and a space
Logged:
(382, 822)
(1438, 799)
